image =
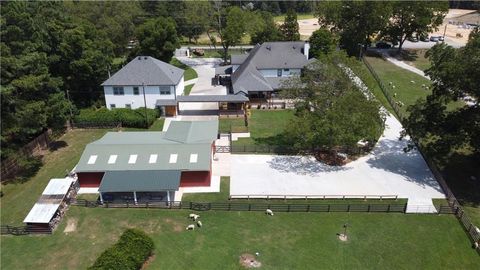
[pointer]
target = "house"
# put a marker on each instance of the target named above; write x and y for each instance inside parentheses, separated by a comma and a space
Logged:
(145, 81)
(262, 71)
(145, 166)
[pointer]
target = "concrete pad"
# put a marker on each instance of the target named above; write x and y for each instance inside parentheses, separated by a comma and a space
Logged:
(387, 170)
(214, 187)
(87, 190)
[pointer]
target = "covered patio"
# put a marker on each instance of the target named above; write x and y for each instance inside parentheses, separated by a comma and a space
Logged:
(227, 104)
(139, 186)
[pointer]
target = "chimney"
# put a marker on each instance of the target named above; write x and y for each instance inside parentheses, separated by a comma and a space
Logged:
(306, 48)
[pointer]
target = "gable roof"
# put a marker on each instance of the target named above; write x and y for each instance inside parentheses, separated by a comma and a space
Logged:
(120, 151)
(269, 55)
(145, 70)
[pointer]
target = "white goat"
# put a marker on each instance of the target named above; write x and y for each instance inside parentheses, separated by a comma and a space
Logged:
(269, 212)
(393, 86)
(194, 216)
(394, 94)
(199, 224)
(391, 83)
(190, 227)
(412, 81)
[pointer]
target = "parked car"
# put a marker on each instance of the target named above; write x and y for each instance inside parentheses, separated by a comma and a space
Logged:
(441, 38)
(413, 39)
(383, 45)
(434, 39)
(424, 38)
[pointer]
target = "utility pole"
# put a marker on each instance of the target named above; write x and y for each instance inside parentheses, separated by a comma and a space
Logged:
(145, 103)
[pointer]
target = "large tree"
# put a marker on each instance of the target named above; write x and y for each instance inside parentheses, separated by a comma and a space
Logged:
(410, 17)
(268, 30)
(322, 41)
(355, 21)
(290, 27)
(443, 126)
(157, 38)
(331, 112)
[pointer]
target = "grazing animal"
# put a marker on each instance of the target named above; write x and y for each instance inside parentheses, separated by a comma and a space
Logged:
(194, 217)
(423, 85)
(394, 94)
(391, 83)
(269, 212)
(412, 81)
(393, 86)
(190, 227)
(199, 224)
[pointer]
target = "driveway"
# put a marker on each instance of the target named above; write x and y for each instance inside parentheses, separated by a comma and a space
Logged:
(387, 170)
(205, 68)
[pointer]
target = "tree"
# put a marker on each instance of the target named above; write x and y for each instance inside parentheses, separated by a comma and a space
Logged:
(157, 38)
(231, 25)
(444, 128)
(331, 113)
(290, 27)
(322, 41)
(355, 21)
(268, 30)
(410, 17)
(197, 19)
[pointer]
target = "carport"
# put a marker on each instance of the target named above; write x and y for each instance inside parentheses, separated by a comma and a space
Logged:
(227, 104)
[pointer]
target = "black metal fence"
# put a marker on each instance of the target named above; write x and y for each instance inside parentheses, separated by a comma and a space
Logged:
(454, 205)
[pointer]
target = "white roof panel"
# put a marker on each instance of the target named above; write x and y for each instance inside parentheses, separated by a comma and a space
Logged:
(132, 159)
(41, 213)
(58, 186)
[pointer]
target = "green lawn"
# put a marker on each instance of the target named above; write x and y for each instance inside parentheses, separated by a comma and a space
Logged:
(266, 127)
(221, 196)
(414, 58)
(284, 241)
(188, 89)
(226, 125)
(189, 73)
(218, 53)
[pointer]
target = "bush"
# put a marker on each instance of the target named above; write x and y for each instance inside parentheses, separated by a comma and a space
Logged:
(128, 118)
(130, 252)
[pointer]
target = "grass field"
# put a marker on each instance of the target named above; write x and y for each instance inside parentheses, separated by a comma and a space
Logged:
(300, 16)
(266, 127)
(189, 73)
(218, 53)
(284, 241)
(188, 89)
(415, 58)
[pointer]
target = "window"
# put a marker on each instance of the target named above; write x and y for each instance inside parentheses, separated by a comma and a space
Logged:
(193, 158)
(112, 106)
(173, 158)
(153, 158)
(128, 106)
(136, 91)
(118, 91)
(132, 159)
(279, 73)
(286, 69)
(164, 90)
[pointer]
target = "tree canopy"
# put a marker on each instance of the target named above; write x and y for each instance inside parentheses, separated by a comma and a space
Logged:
(290, 27)
(443, 126)
(322, 41)
(331, 112)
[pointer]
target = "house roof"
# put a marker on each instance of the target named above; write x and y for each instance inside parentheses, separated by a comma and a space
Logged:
(145, 70)
(142, 181)
(269, 55)
(238, 59)
(186, 145)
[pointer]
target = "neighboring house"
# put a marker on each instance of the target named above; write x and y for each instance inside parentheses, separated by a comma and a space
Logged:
(145, 80)
(264, 69)
(145, 166)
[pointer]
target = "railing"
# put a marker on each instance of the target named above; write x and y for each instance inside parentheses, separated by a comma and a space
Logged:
(317, 197)
(23, 230)
(222, 149)
(455, 206)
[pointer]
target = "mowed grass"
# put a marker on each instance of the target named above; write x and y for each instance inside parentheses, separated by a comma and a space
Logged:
(189, 73)
(221, 196)
(284, 241)
(188, 89)
(266, 127)
(415, 58)
(19, 198)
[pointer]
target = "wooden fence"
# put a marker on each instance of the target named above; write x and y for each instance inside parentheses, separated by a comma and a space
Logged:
(96, 124)
(315, 197)
(261, 206)
(453, 203)
(10, 166)
(23, 230)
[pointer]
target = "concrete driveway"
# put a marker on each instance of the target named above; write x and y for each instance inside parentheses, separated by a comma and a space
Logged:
(387, 170)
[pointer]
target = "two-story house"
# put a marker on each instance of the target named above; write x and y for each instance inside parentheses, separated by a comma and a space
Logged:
(145, 81)
(264, 69)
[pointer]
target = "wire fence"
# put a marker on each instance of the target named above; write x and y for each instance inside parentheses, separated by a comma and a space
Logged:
(453, 203)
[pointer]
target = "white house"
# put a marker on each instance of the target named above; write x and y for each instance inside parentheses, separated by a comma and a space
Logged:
(145, 81)
(263, 70)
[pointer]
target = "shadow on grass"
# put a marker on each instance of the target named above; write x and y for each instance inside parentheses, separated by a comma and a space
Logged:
(54, 146)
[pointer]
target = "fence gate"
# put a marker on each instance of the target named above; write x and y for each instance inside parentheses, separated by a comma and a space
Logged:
(223, 145)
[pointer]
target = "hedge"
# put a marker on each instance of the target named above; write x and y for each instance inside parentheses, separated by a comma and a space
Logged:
(127, 117)
(130, 252)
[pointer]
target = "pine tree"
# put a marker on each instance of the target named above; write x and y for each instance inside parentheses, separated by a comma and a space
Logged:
(290, 27)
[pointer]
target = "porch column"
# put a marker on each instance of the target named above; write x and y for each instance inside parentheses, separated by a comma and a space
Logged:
(168, 197)
(101, 198)
(135, 197)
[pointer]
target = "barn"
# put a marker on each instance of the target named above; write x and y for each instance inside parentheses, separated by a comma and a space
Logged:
(149, 166)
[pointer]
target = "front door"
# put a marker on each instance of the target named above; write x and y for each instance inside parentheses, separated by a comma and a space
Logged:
(170, 110)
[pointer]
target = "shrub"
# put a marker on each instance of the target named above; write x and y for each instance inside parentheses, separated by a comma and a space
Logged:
(130, 252)
(128, 118)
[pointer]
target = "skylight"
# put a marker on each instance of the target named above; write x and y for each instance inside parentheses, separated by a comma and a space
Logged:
(193, 158)
(112, 159)
(153, 158)
(173, 158)
(92, 159)
(132, 159)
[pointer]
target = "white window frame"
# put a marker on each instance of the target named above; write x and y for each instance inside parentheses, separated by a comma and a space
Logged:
(118, 91)
(164, 91)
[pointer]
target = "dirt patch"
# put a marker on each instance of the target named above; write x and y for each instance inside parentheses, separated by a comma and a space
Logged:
(249, 261)
(148, 262)
(176, 226)
(71, 225)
